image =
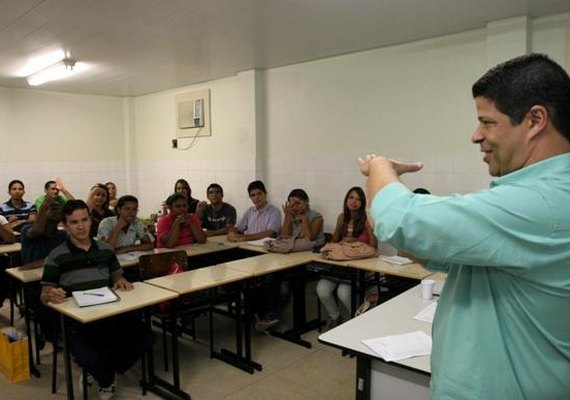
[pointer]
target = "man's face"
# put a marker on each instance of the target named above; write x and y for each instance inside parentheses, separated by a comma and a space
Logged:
(506, 146)
(16, 191)
(179, 207)
(215, 195)
(129, 211)
(52, 191)
(78, 224)
(258, 198)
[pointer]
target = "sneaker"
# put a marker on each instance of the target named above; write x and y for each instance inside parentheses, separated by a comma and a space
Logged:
(264, 324)
(89, 382)
(107, 393)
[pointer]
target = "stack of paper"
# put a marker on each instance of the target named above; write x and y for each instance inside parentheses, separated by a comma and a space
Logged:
(398, 260)
(260, 242)
(92, 297)
(400, 347)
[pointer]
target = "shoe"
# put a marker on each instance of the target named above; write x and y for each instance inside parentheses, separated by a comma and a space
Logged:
(264, 324)
(89, 382)
(107, 393)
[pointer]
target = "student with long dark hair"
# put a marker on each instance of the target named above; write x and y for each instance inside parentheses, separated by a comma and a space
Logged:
(351, 226)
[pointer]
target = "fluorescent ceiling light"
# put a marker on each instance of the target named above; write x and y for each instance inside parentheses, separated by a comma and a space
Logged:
(61, 70)
(40, 62)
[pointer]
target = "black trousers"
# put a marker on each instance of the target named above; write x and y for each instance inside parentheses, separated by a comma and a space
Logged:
(109, 346)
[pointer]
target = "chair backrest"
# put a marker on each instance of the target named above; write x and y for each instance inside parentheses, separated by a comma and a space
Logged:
(158, 264)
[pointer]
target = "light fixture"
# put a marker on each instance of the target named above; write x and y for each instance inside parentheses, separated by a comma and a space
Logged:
(60, 70)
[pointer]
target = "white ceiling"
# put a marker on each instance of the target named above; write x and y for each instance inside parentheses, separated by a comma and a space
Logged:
(144, 46)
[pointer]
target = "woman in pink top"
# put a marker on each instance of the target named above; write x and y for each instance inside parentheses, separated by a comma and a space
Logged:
(178, 227)
(351, 225)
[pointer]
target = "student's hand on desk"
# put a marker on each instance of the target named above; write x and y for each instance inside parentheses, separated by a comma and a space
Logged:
(56, 295)
(123, 284)
(235, 237)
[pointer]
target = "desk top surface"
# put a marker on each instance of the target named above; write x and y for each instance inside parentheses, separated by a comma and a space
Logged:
(376, 264)
(141, 296)
(199, 279)
(390, 318)
(266, 263)
(10, 248)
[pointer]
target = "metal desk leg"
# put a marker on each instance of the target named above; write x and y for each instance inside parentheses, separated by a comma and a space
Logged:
(66, 359)
(362, 378)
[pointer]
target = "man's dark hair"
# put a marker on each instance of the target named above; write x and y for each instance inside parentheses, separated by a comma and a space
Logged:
(48, 184)
(300, 194)
(518, 84)
(73, 205)
(128, 198)
(215, 186)
(175, 197)
(14, 182)
(256, 185)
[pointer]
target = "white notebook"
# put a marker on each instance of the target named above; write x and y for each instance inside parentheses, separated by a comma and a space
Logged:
(93, 297)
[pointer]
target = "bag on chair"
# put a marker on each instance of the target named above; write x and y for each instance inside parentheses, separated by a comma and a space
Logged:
(289, 245)
(344, 251)
(14, 356)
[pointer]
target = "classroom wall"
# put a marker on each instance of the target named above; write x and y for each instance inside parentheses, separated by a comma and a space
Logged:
(302, 125)
(46, 135)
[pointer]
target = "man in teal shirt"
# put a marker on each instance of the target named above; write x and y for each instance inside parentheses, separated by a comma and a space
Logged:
(501, 329)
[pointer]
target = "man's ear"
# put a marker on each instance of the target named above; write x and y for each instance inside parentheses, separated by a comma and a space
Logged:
(538, 119)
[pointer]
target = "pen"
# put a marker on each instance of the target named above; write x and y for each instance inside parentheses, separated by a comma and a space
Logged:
(94, 294)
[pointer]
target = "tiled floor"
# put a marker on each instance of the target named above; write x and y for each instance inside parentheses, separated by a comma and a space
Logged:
(289, 372)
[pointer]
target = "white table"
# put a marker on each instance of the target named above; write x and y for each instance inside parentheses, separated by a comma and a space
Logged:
(141, 296)
(377, 379)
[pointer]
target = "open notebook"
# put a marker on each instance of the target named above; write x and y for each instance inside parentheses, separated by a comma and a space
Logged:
(92, 297)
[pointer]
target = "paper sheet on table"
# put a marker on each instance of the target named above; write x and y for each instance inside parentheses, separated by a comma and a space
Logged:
(400, 347)
(260, 241)
(397, 260)
(427, 313)
(131, 256)
(93, 297)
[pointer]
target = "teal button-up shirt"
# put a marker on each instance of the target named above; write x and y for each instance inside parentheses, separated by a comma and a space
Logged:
(502, 326)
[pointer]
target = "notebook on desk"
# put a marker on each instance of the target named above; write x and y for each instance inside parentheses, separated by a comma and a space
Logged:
(93, 297)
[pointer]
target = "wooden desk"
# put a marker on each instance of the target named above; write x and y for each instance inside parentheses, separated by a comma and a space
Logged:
(377, 379)
(266, 263)
(141, 296)
(202, 279)
(376, 264)
(10, 248)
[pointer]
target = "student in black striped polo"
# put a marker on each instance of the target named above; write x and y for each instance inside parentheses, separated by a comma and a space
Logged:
(110, 345)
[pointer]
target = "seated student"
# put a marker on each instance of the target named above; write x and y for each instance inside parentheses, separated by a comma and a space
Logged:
(6, 237)
(300, 221)
(183, 187)
(123, 231)
(178, 227)
(38, 239)
(113, 344)
(16, 210)
(352, 225)
(98, 203)
(217, 217)
(259, 221)
(112, 190)
(55, 190)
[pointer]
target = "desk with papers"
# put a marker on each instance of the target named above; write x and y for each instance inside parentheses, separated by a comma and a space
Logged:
(376, 378)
